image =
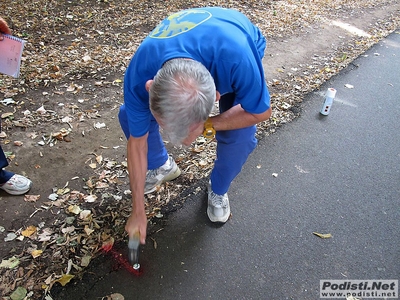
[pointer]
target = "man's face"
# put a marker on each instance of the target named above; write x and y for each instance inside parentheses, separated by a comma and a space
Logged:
(194, 132)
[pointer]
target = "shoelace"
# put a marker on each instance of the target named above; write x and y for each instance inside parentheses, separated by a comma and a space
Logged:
(217, 200)
(151, 173)
(14, 181)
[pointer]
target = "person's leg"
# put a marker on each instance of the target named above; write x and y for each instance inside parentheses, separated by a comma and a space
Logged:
(10, 182)
(233, 149)
(4, 174)
(157, 153)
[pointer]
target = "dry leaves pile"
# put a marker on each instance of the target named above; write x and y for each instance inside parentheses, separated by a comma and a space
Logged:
(69, 41)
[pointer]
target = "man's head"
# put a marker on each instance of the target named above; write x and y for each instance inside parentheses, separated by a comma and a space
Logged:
(182, 95)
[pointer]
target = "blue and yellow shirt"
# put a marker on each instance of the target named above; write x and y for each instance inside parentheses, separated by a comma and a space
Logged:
(223, 40)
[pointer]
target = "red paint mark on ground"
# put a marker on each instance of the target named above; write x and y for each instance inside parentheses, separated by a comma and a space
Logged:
(122, 262)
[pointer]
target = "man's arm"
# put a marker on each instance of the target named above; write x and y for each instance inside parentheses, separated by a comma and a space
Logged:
(137, 168)
(236, 117)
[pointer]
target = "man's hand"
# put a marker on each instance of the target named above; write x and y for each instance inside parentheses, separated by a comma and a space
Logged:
(3, 28)
(137, 222)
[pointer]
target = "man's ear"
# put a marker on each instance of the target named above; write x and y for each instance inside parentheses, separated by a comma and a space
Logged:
(218, 96)
(148, 84)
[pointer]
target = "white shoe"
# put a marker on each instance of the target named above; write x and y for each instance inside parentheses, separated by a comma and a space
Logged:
(218, 209)
(17, 185)
(168, 171)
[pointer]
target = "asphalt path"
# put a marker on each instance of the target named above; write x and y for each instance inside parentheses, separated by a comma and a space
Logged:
(337, 174)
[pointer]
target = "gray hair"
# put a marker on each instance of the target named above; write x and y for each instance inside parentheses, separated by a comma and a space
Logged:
(183, 93)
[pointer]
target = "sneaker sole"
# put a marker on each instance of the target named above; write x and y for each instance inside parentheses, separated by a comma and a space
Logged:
(169, 177)
(16, 193)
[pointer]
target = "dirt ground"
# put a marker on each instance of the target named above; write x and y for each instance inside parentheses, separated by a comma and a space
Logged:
(67, 164)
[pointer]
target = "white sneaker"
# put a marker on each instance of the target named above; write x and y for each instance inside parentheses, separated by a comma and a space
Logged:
(17, 185)
(218, 209)
(168, 171)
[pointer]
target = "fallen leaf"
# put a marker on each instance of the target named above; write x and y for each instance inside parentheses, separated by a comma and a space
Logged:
(31, 198)
(10, 237)
(66, 278)
(7, 101)
(49, 279)
(101, 185)
(85, 261)
(71, 88)
(36, 253)
(107, 245)
(99, 159)
(19, 293)
(74, 209)
(93, 165)
(10, 263)
(7, 115)
(154, 243)
(203, 163)
(323, 235)
(88, 230)
(29, 231)
(85, 214)
(90, 198)
(53, 197)
(66, 119)
(45, 235)
(41, 110)
(69, 220)
(63, 191)
(90, 184)
(68, 229)
(99, 125)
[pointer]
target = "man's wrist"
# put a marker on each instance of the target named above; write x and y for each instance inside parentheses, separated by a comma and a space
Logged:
(209, 131)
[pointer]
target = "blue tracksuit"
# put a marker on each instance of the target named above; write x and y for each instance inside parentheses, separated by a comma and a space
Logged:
(231, 48)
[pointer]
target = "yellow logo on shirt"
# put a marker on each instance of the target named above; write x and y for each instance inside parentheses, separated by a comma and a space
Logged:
(180, 22)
